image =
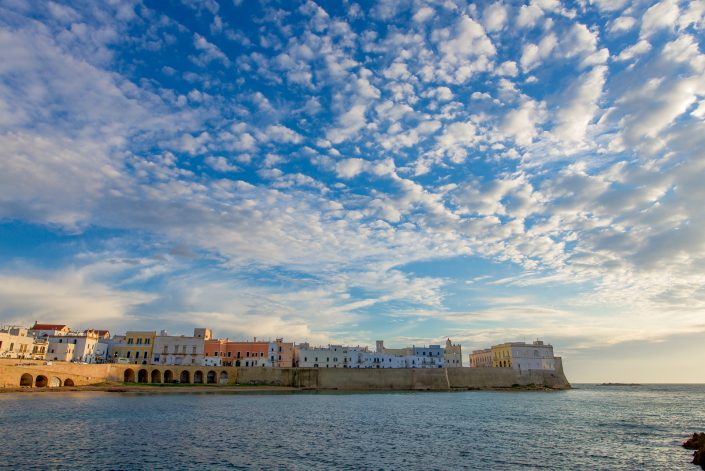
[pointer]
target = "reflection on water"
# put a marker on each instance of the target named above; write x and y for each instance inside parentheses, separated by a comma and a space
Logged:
(591, 427)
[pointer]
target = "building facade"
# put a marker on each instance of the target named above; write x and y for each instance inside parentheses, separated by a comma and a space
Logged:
(180, 350)
(242, 354)
(523, 356)
(74, 346)
(481, 358)
(453, 355)
(46, 330)
(16, 342)
(135, 347)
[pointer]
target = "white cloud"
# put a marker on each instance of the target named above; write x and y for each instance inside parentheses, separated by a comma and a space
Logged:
(573, 117)
(622, 24)
(423, 14)
(662, 15)
(282, 134)
(349, 123)
(209, 51)
(494, 17)
(349, 168)
(529, 15)
(642, 47)
(520, 123)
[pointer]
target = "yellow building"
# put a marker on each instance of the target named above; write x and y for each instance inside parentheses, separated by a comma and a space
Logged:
(133, 347)
(502, 355)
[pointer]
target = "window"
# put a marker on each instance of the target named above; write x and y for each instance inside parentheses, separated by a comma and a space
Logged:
(247, 354)
(129, 353)
(12, 346)
(75, 341)
(130, 341)
(166, 349)
(238, 356)
(137, 354)
(146, 341)
(61, 340)
(261, 354)
(139, 341)
(144, 355)
(280, 358)
(215, 354)
(194, 350)
(280, 349)
(305, 358)
(228, 354)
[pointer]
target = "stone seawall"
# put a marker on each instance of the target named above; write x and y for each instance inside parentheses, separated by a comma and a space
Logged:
(16, 373)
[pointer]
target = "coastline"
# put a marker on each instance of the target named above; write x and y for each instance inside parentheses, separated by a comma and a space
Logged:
(239, 389)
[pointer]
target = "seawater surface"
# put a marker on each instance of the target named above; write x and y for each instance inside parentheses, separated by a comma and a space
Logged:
(590, 427)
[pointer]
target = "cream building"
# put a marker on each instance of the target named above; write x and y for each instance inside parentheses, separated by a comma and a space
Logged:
(16, 342)
(180, 350)
(523, 356)
(453, 355)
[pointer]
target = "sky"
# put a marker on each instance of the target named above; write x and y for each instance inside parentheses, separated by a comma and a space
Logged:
(351, 171)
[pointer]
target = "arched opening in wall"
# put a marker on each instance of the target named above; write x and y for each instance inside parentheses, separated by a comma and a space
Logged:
(142, 376)
(55, 382)
(129, 376)
(168, 376)
(198, 377)
(156, 376)
(223, 377)
(185, 377)
(68, 382)
(41, 381)
(26, 380)
(210, 378)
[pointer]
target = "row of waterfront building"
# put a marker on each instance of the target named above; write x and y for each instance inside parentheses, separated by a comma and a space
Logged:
(57, 342)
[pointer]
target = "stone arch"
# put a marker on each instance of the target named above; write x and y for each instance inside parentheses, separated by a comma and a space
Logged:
(68, 382)
(185, 377)
(55, 382)
(210, 378)
(156, 376)
(198, 377)
(41, 381)
(168, 376)
(223, 377)
(129, 376)
(26, 380)
(142, 376)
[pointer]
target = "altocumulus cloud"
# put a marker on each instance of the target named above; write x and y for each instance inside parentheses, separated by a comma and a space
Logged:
(342, 173)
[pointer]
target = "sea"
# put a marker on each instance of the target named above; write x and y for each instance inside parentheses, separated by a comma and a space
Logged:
(590, 427)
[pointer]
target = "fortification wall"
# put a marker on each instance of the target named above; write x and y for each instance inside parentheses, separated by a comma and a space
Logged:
(442, 379)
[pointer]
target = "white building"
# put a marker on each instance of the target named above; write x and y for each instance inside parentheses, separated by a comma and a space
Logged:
(534, 356)
(74, 346)
(179, 349)
(332, 356)
(48, 330)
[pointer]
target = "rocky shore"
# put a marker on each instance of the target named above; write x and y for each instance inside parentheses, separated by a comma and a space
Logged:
(697, 443)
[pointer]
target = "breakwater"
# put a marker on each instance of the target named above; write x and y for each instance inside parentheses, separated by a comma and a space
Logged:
(15, 374)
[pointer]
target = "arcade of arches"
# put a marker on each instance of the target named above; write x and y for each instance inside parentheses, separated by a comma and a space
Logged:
(169, 376)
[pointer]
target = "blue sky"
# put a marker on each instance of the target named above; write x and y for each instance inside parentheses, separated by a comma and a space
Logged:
(353, 171)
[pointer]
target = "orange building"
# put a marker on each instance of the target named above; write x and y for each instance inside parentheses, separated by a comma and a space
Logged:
(230, 353)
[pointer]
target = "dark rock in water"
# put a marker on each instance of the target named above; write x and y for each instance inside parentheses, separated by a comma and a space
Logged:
(697, 443)
(699, 457)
